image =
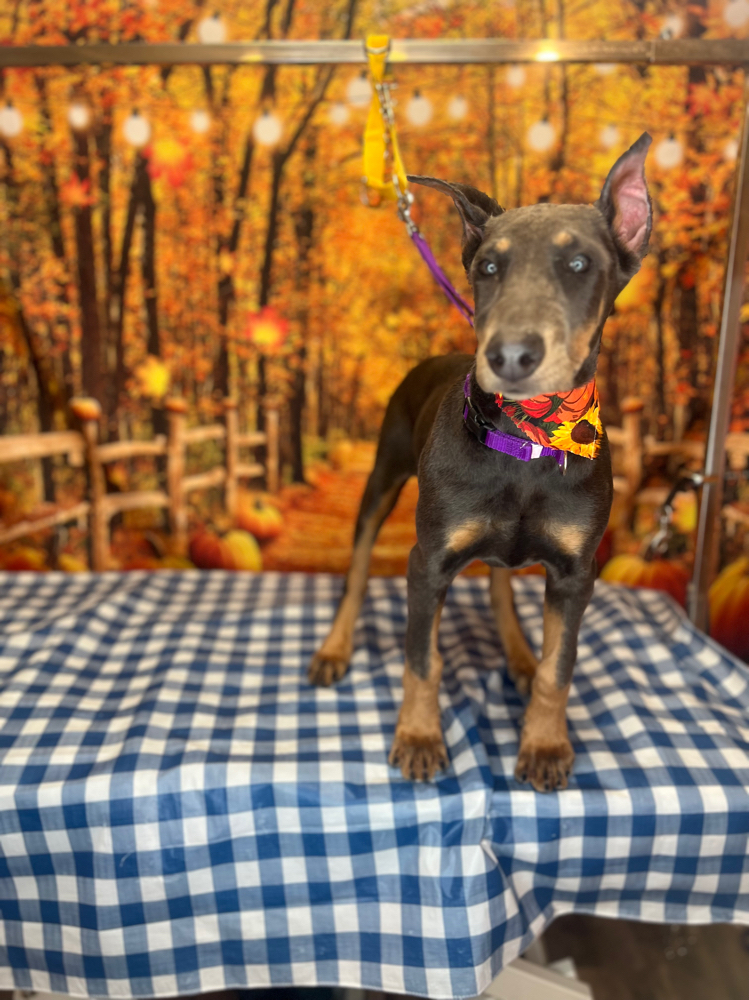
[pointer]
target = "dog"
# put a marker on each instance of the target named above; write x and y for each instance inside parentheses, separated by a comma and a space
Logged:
(544, 279)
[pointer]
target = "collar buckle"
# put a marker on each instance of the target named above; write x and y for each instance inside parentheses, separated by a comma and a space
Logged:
(475, 422)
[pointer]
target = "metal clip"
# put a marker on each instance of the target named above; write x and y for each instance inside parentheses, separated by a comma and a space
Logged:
(405, 200)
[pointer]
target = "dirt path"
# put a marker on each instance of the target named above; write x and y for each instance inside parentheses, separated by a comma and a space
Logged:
(319, 524)
(319, 520)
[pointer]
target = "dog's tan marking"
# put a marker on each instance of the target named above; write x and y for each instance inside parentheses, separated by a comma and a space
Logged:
(545, 756)
(502, 244)
(569, 537)
(521, 663)
(331, 661)
(562, 238)
(418, 748)
(465, 534)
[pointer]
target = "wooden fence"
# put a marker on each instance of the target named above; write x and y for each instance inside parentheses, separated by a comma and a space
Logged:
(631, 451)
(84, 448)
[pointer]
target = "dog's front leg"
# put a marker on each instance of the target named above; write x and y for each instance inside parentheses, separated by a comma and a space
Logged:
(418, 748)
(545, 757)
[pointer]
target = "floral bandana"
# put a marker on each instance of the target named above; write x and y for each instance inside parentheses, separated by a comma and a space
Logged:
(570, 421)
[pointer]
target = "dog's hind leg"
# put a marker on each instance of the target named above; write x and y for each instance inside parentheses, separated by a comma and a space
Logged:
(521, 663)
(383, 488)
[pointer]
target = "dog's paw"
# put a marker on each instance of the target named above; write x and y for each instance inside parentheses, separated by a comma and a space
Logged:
(418, 756)
(546, 767)
(325, 670)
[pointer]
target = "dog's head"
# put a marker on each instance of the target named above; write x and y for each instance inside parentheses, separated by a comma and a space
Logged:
(545, 277)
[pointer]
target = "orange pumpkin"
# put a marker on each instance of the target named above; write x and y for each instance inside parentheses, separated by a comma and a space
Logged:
(260, 518)
(236, 550)
(729, 608)
(657, 574)
(205, 550)
(23, 558)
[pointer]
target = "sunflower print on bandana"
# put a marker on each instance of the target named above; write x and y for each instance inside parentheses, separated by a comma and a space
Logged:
(570, 421)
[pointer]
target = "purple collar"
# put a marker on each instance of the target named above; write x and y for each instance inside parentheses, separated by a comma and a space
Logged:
(498, 440)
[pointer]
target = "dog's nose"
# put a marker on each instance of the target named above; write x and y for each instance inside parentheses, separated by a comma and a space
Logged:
(518, 359)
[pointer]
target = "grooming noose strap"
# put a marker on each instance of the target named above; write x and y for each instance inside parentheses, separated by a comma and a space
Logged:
(379, 138)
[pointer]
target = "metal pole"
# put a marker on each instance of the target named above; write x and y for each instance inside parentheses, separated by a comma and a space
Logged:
(708, 529)
(656, 51)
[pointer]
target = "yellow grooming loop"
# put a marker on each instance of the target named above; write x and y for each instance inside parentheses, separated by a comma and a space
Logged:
(384, 176)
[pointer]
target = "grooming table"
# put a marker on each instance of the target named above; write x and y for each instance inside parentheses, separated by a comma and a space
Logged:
(181, 812)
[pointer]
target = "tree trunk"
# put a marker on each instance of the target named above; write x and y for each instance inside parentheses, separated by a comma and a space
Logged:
(226, 282)
(50, 394)
(491, 131)
(52, 205)
(304, 230)
(104, 154)
(48, 173)
(119, 288)
(91, 346)
(280, 159)
(322, 402)
(687, 318)
(148, 270)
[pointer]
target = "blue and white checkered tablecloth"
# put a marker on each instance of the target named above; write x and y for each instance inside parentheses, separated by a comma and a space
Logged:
(180, 811)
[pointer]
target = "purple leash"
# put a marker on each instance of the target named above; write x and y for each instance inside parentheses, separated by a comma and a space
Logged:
(439, 275)
(497, 440)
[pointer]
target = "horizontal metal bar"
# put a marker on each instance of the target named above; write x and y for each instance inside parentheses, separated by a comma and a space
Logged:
(674, 52)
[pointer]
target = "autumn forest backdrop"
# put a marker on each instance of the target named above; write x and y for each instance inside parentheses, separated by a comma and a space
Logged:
(199, 233)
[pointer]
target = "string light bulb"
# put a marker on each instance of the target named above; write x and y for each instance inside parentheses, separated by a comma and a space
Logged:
(338, 114)
(731, 150)
(515, 76)
(736, 13)
(609, 136)
(457, 109)
(79, 116)
(672, 26)
(359, 91)
(541, 136)
(136, 129)
(11, 121)
(267, 129)
(419, 110)
(212, 30)
(604, 69)
(200, 121)
(669, 153)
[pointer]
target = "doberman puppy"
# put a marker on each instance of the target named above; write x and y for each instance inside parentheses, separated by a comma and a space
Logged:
(544, 278)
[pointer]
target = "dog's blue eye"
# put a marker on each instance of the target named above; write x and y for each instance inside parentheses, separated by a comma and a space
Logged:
(579, 263)
(488, 267)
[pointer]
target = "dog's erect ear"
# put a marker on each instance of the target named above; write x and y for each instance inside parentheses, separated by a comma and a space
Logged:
(475, 208)
(625, 202)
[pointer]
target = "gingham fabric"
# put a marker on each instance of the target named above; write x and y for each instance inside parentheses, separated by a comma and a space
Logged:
(180, 811)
